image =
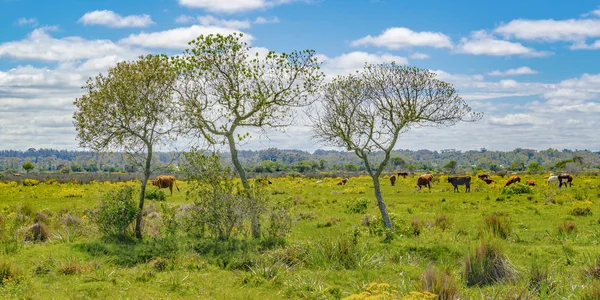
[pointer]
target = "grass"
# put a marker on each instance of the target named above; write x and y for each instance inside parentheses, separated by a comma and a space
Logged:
(335, 248)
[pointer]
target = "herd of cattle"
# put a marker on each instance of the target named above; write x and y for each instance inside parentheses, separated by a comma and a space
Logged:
(426, 179)
(565, 179)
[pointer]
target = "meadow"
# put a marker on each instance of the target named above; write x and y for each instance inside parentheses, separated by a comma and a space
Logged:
(537, 242)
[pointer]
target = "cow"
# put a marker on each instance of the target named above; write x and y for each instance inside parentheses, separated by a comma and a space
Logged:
(513, 179)
(488, 181)
(553, 179)
(565, 178)
(343, 181)
(483, 176)
(530, 182)
(460, 180)
(424, 180)
(164, 181)
(393, 180)
(403, 174)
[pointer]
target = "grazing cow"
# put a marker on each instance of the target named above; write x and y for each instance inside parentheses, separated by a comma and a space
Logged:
(553, 179)
(17, 174)
(565, 178)
(460, 180)
(530, 182)
(164, 181)
(343, 181)
(488, 181)
(483, 176)
(393, 180)
(424, 180)
(513, 179)
(403, 174)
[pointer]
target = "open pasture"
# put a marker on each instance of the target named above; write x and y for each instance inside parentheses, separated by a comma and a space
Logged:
(547, 236)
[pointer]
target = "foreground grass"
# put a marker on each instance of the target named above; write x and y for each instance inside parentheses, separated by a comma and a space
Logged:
(549, 236)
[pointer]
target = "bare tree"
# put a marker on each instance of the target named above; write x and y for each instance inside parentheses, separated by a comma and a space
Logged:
(131, 109)
(225, 90)
(366, 112)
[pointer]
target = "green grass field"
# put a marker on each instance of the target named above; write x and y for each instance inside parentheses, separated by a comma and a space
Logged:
(546, 242)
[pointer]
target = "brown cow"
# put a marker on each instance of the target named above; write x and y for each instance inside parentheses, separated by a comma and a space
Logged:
(343, 181)
(393, 180)
(530, 182)
(513, 179)
(164, 181)
(424, 180)
(483, 176)
(488, 181)
(403, 174)
(565, 178)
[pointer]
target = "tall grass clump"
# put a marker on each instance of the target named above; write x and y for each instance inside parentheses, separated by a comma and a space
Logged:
(497, 224)
(440, 283)
(516, 189)
(540, 280)
(37, 232)
(115, 213)
(487, 265)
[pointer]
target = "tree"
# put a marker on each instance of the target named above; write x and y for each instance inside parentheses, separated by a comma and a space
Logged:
(451, 166)
(367, 111)
(535, 168)
(129, 109)
(28, 166)
(398, 162)
(223, 90)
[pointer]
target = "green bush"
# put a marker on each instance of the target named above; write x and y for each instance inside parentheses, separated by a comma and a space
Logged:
(498, 224)
(517, 189)
(116, 212)
(358, 206)
(156, 194)
(30, 182)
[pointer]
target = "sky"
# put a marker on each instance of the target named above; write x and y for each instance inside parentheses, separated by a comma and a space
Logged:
(532, 67)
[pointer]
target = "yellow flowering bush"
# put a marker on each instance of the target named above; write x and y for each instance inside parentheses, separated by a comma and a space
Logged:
(376, 291)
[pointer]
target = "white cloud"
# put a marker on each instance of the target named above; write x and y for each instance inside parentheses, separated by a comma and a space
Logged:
(401, 37)
(349, 62)
(456, 78)
(209, 20)
(185, 19)
(27, 21)
(482, 43)
(419, 55)
(551, 30)
(177, 38)
(39, 45)
(111, 19)
(263, 20)
(517, 71)
(488, 96)
(583, 46)
(518, 119)
(231, 6)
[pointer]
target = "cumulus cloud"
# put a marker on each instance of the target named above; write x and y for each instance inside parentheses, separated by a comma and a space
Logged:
(550, 29)
(582, 45)
(401, 37)
(349, 62)
(517, 120)
(177, 38)
(263, 20)
(517, 71)
(419, 55)
(483, 43)
(27, 21)
(40, 45)
(232, 6)
(185, 19)
(209, 20)
(111, 19)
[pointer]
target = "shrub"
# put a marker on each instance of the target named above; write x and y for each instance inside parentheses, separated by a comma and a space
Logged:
(357, 206)
(487, 265)
(540, 280)
(37, 232)
(517, 189)
(7, 272)
(442, 222)
(116, 212)
(498, 224)
(280, 220)
(566, 227)
(581, 211)
(30, 182)
(416, 225)
(156, 194)
(439, 283)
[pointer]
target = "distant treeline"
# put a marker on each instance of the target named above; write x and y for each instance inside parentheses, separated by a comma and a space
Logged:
(282, 161)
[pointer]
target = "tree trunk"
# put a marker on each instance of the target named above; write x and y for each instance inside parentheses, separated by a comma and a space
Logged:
(382, 208)
(138, 220)
(254, 212)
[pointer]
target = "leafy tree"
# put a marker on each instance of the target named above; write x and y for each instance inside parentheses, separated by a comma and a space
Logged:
(366, 112)
(351, 167)
(129, 109)
(535, 168)
(451, 166)
(223, 90)
(28, 166)
(398, 162)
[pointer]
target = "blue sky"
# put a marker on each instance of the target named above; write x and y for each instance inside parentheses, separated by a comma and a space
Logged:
(530, 66)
